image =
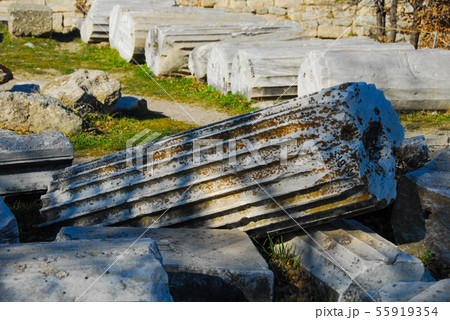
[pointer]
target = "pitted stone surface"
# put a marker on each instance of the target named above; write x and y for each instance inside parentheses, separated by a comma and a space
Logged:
(35, 113)
(66, 271)
(203, 265)
(26, 19)
(340, 161)
(347, 259)
(85, 91)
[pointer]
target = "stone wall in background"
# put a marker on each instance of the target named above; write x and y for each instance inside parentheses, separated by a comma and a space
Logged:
(67, 14)
(319, 18)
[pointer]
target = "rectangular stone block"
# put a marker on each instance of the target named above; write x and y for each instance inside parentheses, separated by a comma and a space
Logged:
(83, 271)
(28, 162)
(347, 259)
(202, 264)
(29, 20)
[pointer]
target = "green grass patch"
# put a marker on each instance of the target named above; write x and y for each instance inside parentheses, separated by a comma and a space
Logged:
(426, 120)
(291, 282)
(49, 54)
(110, 133)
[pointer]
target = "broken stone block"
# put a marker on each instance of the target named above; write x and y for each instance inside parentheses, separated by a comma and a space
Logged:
(347, 259)
(9, 231)
(35, 113)
(423, 202)
(85, 91)
(202, 264)
(26, 19)
(417, 291)
(320, 157)
(412, 155)
(5, 74)
(78, 271)
(28, 162)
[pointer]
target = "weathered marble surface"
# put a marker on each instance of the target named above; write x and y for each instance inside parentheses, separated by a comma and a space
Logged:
(202, 264)
(66, 271)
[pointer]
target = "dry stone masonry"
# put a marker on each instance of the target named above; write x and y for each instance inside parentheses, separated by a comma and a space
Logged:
(202, 264)
(35, 113)
(320, 18)
(63, 272)
(347, 259)
(325, 155)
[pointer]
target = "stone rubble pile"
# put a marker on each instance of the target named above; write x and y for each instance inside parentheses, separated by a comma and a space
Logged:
(336, 150)
(341, 164)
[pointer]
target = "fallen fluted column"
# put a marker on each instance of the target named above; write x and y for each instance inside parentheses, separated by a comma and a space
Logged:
(410, 79)
(319, 157)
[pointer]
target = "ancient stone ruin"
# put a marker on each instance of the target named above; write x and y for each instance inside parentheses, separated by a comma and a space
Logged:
(212, 213)
(343, 162)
